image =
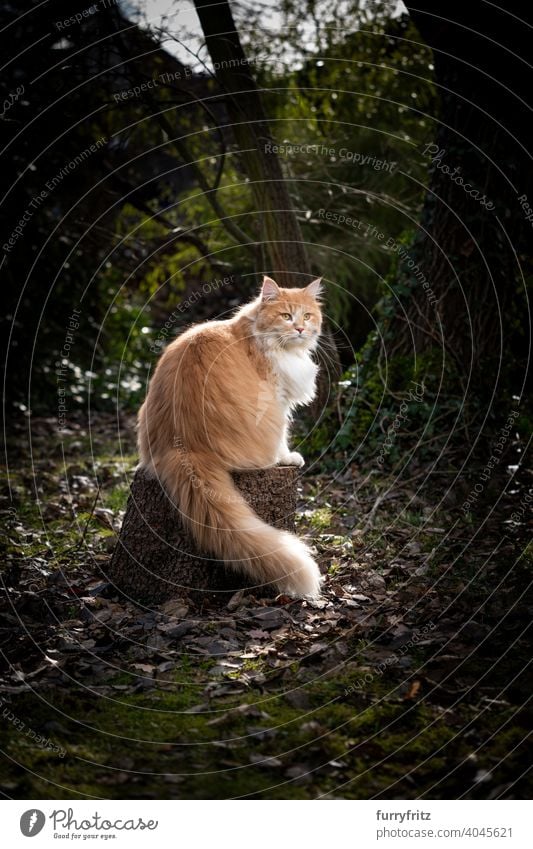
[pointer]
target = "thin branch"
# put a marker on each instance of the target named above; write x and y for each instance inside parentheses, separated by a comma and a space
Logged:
(210, 194)
(203, 105)
(231, 228)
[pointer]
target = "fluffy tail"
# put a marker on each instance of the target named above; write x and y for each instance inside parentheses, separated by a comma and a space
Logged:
(221, 522)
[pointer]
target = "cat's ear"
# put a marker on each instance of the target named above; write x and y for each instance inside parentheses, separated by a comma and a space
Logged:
(315, 288)
(269, 290)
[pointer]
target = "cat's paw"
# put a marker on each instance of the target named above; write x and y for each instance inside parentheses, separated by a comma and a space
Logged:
(293, 458)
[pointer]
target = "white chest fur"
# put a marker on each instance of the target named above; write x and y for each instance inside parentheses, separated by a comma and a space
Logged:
(295, 374)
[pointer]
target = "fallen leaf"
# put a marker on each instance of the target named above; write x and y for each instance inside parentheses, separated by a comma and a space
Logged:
(257, 634)
(413, 691)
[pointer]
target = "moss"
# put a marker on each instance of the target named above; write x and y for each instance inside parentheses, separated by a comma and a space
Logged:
(129, 744)
(321, 519)
(117, 497)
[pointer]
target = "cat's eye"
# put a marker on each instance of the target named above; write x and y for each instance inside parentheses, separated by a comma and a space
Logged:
(286, 315)
(307, 316)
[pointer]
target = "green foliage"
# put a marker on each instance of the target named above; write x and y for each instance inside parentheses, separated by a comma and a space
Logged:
(389, 410)
(117, 498)
(356, 113)
(347, 87)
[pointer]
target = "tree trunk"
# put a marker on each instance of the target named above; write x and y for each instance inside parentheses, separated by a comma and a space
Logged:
(155, 558)
(282, 234)
(470, 247)
(281, 231)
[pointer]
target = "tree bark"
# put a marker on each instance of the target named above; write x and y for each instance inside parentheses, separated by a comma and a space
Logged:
(472, 256)
(289, 258)
(281, 230)
(155, 558)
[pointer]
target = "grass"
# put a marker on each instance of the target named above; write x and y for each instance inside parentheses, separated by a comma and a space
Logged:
(117, 497)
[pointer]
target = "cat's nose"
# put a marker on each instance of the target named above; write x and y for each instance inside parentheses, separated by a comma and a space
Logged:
(299, 329)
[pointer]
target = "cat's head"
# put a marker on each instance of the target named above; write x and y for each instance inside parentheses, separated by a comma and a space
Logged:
(289, 318)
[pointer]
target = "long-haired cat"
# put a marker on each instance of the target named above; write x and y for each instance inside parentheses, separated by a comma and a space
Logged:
(220, 400)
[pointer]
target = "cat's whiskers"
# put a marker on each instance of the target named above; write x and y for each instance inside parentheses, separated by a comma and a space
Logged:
(326, 357)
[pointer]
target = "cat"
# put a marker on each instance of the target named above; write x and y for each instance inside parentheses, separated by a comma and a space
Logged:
(220, 400)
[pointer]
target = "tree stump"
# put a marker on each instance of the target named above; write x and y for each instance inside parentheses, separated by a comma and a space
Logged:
(155, 558)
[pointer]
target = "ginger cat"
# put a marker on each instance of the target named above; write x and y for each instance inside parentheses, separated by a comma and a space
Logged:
(220, 400)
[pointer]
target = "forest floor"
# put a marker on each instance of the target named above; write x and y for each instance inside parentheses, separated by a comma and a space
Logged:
(408, 680)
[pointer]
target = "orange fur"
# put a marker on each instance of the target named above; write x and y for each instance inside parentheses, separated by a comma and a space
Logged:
(220, 400)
